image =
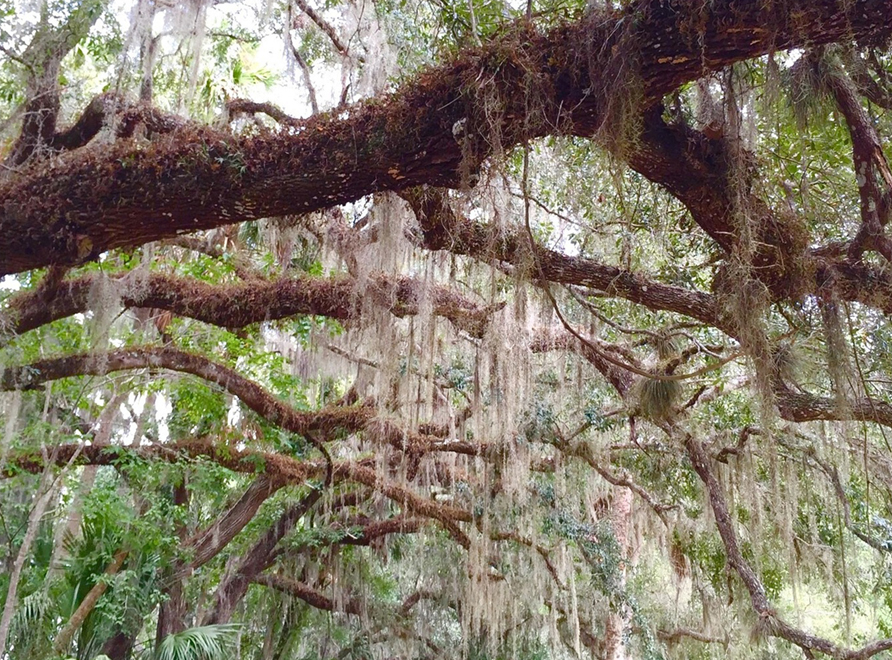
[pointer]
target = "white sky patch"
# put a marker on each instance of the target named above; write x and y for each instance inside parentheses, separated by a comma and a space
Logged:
(10, 283)
(234, 416)
(289, 92)
(136, 403)
(163, 408)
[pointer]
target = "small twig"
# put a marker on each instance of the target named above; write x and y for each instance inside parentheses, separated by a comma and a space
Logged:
(745, 433)
(325, 26)
(301, 62)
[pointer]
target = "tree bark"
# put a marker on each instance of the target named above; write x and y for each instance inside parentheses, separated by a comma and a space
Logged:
(63, 639)
(434, 131)
(260, 557)
(172, 612)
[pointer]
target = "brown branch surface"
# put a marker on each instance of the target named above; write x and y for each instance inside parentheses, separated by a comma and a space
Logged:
(444, 229)
(307, 594)
(430, 132)
(240, 305)
(209, 543)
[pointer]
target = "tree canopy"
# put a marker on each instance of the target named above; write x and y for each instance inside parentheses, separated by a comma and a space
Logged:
(434, 329)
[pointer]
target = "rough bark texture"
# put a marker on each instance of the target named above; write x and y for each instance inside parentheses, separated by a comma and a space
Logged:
(238, 305)
(430, 132)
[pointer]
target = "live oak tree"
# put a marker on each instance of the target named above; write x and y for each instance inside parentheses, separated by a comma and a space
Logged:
(550, 331)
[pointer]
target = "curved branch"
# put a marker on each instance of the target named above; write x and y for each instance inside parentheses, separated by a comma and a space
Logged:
(253, 395)
(245, 106)
(307, 594)
(431, 132)
(239, 305)
(311, 425)
(325, 26)
(112, 110)
(43, 58)
(769, 618)
(444, 229)
(871, 168)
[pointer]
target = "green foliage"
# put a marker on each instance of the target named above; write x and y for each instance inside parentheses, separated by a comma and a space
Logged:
(214, 642)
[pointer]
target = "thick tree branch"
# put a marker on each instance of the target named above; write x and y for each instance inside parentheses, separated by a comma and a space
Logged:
(260, 557)
(802, 407)
(315, 426)
(243, 461)
(251, 394)
(239, 305)
(675, 635)
(277, 467)
(43, 58)
(430, 132)
(309, 595)
(873, 177)
(444, 229)
(208, 543)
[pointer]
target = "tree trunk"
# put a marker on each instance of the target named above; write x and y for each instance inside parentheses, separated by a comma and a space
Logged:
(44, 494)
(618, 621)
(172, 613)
(63, 639)
(235, 585)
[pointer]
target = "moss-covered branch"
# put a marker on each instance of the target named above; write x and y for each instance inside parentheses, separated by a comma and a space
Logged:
(435, 128)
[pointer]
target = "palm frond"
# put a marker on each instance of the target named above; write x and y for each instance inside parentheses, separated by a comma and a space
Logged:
(31, 610)
(213, 642)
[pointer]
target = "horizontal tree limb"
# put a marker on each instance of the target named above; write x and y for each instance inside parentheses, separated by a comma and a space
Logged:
(239, 305)
(444, 229)
(306, 593)
(274, 465)
(435, 128)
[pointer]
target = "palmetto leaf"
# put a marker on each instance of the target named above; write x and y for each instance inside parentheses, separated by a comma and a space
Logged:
(213, 642)
(32, 608)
